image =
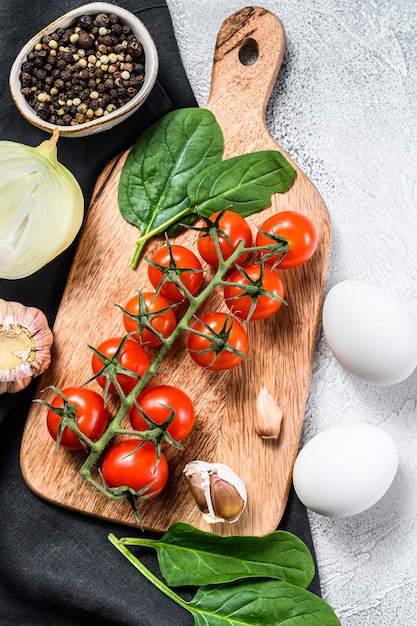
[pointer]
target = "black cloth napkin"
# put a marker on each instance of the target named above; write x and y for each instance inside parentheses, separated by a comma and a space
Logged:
(57, 567)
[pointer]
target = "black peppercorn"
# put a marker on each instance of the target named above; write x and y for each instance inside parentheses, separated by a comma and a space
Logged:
(26, 79)
(86, 22)
(116, 29)
(27, 66)
(131, 91)
(134, 48)
(84, 75)
(40, 74)
(102, 20)
(42, 110)
(108, 40)
(85, 40)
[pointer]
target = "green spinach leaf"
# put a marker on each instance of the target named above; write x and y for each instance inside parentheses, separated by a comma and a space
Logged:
(244, 183)
(189, 556)
(152, 191)
(260, 601)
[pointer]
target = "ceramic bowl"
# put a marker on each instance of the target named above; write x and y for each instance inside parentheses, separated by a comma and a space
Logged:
(98, 124)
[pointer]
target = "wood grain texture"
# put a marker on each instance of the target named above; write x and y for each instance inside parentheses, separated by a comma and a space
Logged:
(281, 349)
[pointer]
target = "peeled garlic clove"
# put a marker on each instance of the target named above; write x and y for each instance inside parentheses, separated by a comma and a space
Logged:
(25, 345)
(268, 416)
(219, 493)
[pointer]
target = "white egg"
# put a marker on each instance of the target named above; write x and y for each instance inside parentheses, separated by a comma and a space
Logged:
(370, 332)
(345, 469)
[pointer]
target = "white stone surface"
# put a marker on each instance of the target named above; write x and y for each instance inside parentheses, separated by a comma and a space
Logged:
(345, 108)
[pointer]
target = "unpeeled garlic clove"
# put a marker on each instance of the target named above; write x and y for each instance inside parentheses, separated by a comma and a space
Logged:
(219, 493)
(268, 416)
(25, 345)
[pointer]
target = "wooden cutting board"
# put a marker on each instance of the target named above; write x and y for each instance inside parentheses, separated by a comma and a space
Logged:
(281, 349)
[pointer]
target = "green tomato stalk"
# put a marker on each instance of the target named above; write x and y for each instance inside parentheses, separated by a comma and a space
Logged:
(156, 432)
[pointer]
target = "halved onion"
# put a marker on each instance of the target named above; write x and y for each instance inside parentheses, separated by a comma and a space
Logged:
(41, 207)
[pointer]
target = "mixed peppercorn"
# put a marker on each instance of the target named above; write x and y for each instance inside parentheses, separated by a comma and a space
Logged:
(83, 72)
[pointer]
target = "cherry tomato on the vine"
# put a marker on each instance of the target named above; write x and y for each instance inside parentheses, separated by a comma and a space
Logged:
(300, 233)
(161, 318)
(178, 260)
(235, 229)
(206, 354)
(155, 401)
(241, 303)
(127, 465)
(132, 357)
(91, 416)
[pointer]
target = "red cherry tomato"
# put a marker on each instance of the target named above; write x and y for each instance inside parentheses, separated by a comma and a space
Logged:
(183, 258)
(163, 322)
(91, 416)
(132, 357)
(236, 230)
(266, 305)
(224, 359)
(154, 402)
(298, 230)
(126, 465)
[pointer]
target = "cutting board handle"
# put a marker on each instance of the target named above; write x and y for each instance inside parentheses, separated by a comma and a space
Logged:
(249, 50)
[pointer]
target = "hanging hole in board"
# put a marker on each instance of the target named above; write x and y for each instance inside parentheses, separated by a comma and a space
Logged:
(249, 52)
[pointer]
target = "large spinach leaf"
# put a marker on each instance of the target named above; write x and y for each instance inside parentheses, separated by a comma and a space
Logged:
(189, 556)
(244, 183)
(152, 191)
(260, 602)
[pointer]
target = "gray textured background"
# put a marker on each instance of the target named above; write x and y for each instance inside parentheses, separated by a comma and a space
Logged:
(344, 107)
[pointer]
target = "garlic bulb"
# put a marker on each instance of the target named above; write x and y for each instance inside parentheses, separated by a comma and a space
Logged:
(25, 345)
(268, 416)
(42, 207)
(219, 493)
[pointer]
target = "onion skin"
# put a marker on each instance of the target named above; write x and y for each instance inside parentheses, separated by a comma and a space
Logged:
(25, 345)
(42, 207)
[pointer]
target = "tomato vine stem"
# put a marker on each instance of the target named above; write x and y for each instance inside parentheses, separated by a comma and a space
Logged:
(184, 325)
